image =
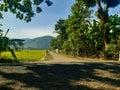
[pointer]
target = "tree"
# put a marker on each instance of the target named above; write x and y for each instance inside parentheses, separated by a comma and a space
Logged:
(102, 14)
(94, 35)
(114, 21)
(16, 44)
(89, 37)
(21, 44)
(112, 50)
(4, 45)
(77, 27)
(23, 9)
(56, 44)
(60, 29)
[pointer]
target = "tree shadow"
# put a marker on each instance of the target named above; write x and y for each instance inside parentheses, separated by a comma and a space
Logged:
(6, 88)
(7, 60)
(60, 76)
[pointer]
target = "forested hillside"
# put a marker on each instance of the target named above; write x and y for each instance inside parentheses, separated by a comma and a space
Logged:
(38, 43)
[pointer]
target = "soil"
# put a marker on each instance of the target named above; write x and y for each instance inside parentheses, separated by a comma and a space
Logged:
(60, 73)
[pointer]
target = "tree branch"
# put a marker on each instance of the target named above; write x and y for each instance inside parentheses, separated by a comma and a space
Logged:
(99, 4)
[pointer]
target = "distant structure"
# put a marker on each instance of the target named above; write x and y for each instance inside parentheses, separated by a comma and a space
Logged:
(57, 50)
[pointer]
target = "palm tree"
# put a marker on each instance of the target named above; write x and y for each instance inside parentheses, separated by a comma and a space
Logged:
(102, 14)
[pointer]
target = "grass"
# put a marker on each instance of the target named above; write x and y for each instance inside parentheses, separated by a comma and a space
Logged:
(48, 57)
(25, 55)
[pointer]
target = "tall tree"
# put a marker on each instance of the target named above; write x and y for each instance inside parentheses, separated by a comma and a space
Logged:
(60, 29)
(102, 14)
(76, 27)
(114, 21)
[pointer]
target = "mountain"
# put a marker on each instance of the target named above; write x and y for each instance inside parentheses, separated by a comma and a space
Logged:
(38, 43)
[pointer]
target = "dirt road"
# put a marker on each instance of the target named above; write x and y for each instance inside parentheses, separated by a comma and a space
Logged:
(60, 73)
(60, 59)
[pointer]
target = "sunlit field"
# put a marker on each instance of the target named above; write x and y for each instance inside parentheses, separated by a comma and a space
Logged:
(25, 55)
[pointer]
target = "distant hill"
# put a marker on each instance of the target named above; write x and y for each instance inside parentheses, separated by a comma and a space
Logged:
(38, 43)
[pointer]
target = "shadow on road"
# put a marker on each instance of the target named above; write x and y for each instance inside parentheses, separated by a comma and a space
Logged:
(65, 76)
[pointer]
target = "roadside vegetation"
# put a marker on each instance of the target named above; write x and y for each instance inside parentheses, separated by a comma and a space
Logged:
(23, 10)
(81, 34)
(24, 55)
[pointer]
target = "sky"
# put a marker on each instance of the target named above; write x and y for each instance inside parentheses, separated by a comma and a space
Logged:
(42, 24)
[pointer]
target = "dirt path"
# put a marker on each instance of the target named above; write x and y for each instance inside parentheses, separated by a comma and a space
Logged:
(60, 59)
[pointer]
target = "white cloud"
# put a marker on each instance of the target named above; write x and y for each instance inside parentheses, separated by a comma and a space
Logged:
(31, 33)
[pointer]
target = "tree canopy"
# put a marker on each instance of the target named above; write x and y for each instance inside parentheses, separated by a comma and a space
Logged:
(108, 3)
(23, 9)
(89, 37)
(102, 14)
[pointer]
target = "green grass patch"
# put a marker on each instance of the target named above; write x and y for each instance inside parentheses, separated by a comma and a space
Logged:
(25, 55)
(48, 57)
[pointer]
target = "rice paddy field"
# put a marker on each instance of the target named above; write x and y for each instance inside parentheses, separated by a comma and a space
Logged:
(25, 55)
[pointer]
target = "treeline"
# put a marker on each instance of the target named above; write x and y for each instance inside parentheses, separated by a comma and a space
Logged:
(82, 35)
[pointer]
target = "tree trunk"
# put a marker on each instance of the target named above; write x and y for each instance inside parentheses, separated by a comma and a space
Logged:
(103, 17)
(106, 38)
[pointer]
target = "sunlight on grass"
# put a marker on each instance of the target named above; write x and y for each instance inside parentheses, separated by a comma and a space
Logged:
(26, 55)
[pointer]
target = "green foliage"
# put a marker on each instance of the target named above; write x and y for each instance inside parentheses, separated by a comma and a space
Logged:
(66, 47)
(94, 37)
(60, 29)
(102, 14)
(55, 44)
(17, 44)
(12, 52)
(86, 37)
(23, 9)
(77, 26)
(89, 3)
(114, 21)
(4, 45)
(112, 52)
(60, 26)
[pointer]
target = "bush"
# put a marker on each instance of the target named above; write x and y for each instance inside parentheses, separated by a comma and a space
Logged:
(112, 52)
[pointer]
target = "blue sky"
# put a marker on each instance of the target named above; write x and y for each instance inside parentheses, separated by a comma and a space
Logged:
(43, 23)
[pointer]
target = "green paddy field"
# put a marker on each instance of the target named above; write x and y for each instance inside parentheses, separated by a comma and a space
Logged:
(25, 55)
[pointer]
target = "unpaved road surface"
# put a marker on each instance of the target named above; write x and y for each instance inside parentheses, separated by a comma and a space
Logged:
(60, 59)
(60, 73)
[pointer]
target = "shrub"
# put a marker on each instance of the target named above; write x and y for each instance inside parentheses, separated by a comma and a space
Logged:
(112, 52)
